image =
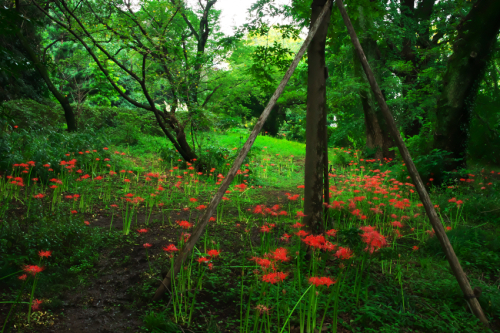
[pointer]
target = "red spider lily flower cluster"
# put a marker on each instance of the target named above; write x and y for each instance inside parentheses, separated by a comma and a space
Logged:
(300, 214)
(274, 277)
(373, 239)
(39, 196)
(184, 224)
(263, 262)
(44, 254)
(147, 245)
(213, 253)
(142, 231)
(322, 281)
(292, 197)
(302, 233)
(344, 253)
(185, 237)
(280, 254)
(33, 269)
(202, 260)
(170, 248)
(36, 305)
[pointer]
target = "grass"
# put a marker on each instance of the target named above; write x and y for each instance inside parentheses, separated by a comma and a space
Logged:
(100, 267)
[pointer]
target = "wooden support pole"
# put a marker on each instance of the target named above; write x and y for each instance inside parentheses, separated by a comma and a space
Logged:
(202, 223)
(419, 185)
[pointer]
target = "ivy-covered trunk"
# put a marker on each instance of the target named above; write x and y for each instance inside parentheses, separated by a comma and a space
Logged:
(315, 124)
(477, 34)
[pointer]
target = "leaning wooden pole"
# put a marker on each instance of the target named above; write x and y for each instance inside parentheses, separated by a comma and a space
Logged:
(199, 229)
(419, 185)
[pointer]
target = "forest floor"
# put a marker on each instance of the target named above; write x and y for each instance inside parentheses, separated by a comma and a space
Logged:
(102, 273)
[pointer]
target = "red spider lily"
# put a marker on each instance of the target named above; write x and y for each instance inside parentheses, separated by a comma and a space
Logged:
(262, 308)
(329, 246)
(142, 231)
(74, 212)
(398, 234)
(459, 202)
(184, 224)
(34, 179)
(39, 196)
(202, 260)
(283, 213)
(285, 237)
(258, 209)
(322, 281)
(374, 240)
(301, 186)
(210, 266)
(280, 254)
(265, 229)
(22, 277)
(147, 245)
(415, 248)
(448, 228)
(86, 222)
(36, 305)
(45, 254)
(302, 233)
(129, 195)
(201, 207)
(193, 199)
(213, 253)
(300, 214)
(98, 178)
(262, 262)
(293, 197)
(185, 236)
(212, 219)
(331, 232)
(297, 225)
(126, 180)
(315, 241)
(397, 224)
(170, 248)
(344, 253)
(33, 269)
(367, 228)
(114, 206)
(274, 277)
(431, 232)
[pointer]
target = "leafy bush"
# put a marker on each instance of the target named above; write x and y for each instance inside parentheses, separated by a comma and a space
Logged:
(476, 248)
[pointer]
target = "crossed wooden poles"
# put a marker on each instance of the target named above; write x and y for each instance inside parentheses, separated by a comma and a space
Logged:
(419, 185)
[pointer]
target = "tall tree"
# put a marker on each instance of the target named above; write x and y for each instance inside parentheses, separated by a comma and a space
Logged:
(315, 122)
(69, 115)
(165, 42)
(477, 33)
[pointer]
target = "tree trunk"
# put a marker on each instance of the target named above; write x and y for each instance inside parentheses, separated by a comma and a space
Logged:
(477, 33)
(378, 139)
(68, 110)
(315, 125)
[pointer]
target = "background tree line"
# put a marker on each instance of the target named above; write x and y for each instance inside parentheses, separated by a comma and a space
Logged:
(437, 62)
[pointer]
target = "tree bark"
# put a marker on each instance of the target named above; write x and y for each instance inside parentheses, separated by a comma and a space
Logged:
(477, 33)
(315, 125)
(412, 170)
(63, 100)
